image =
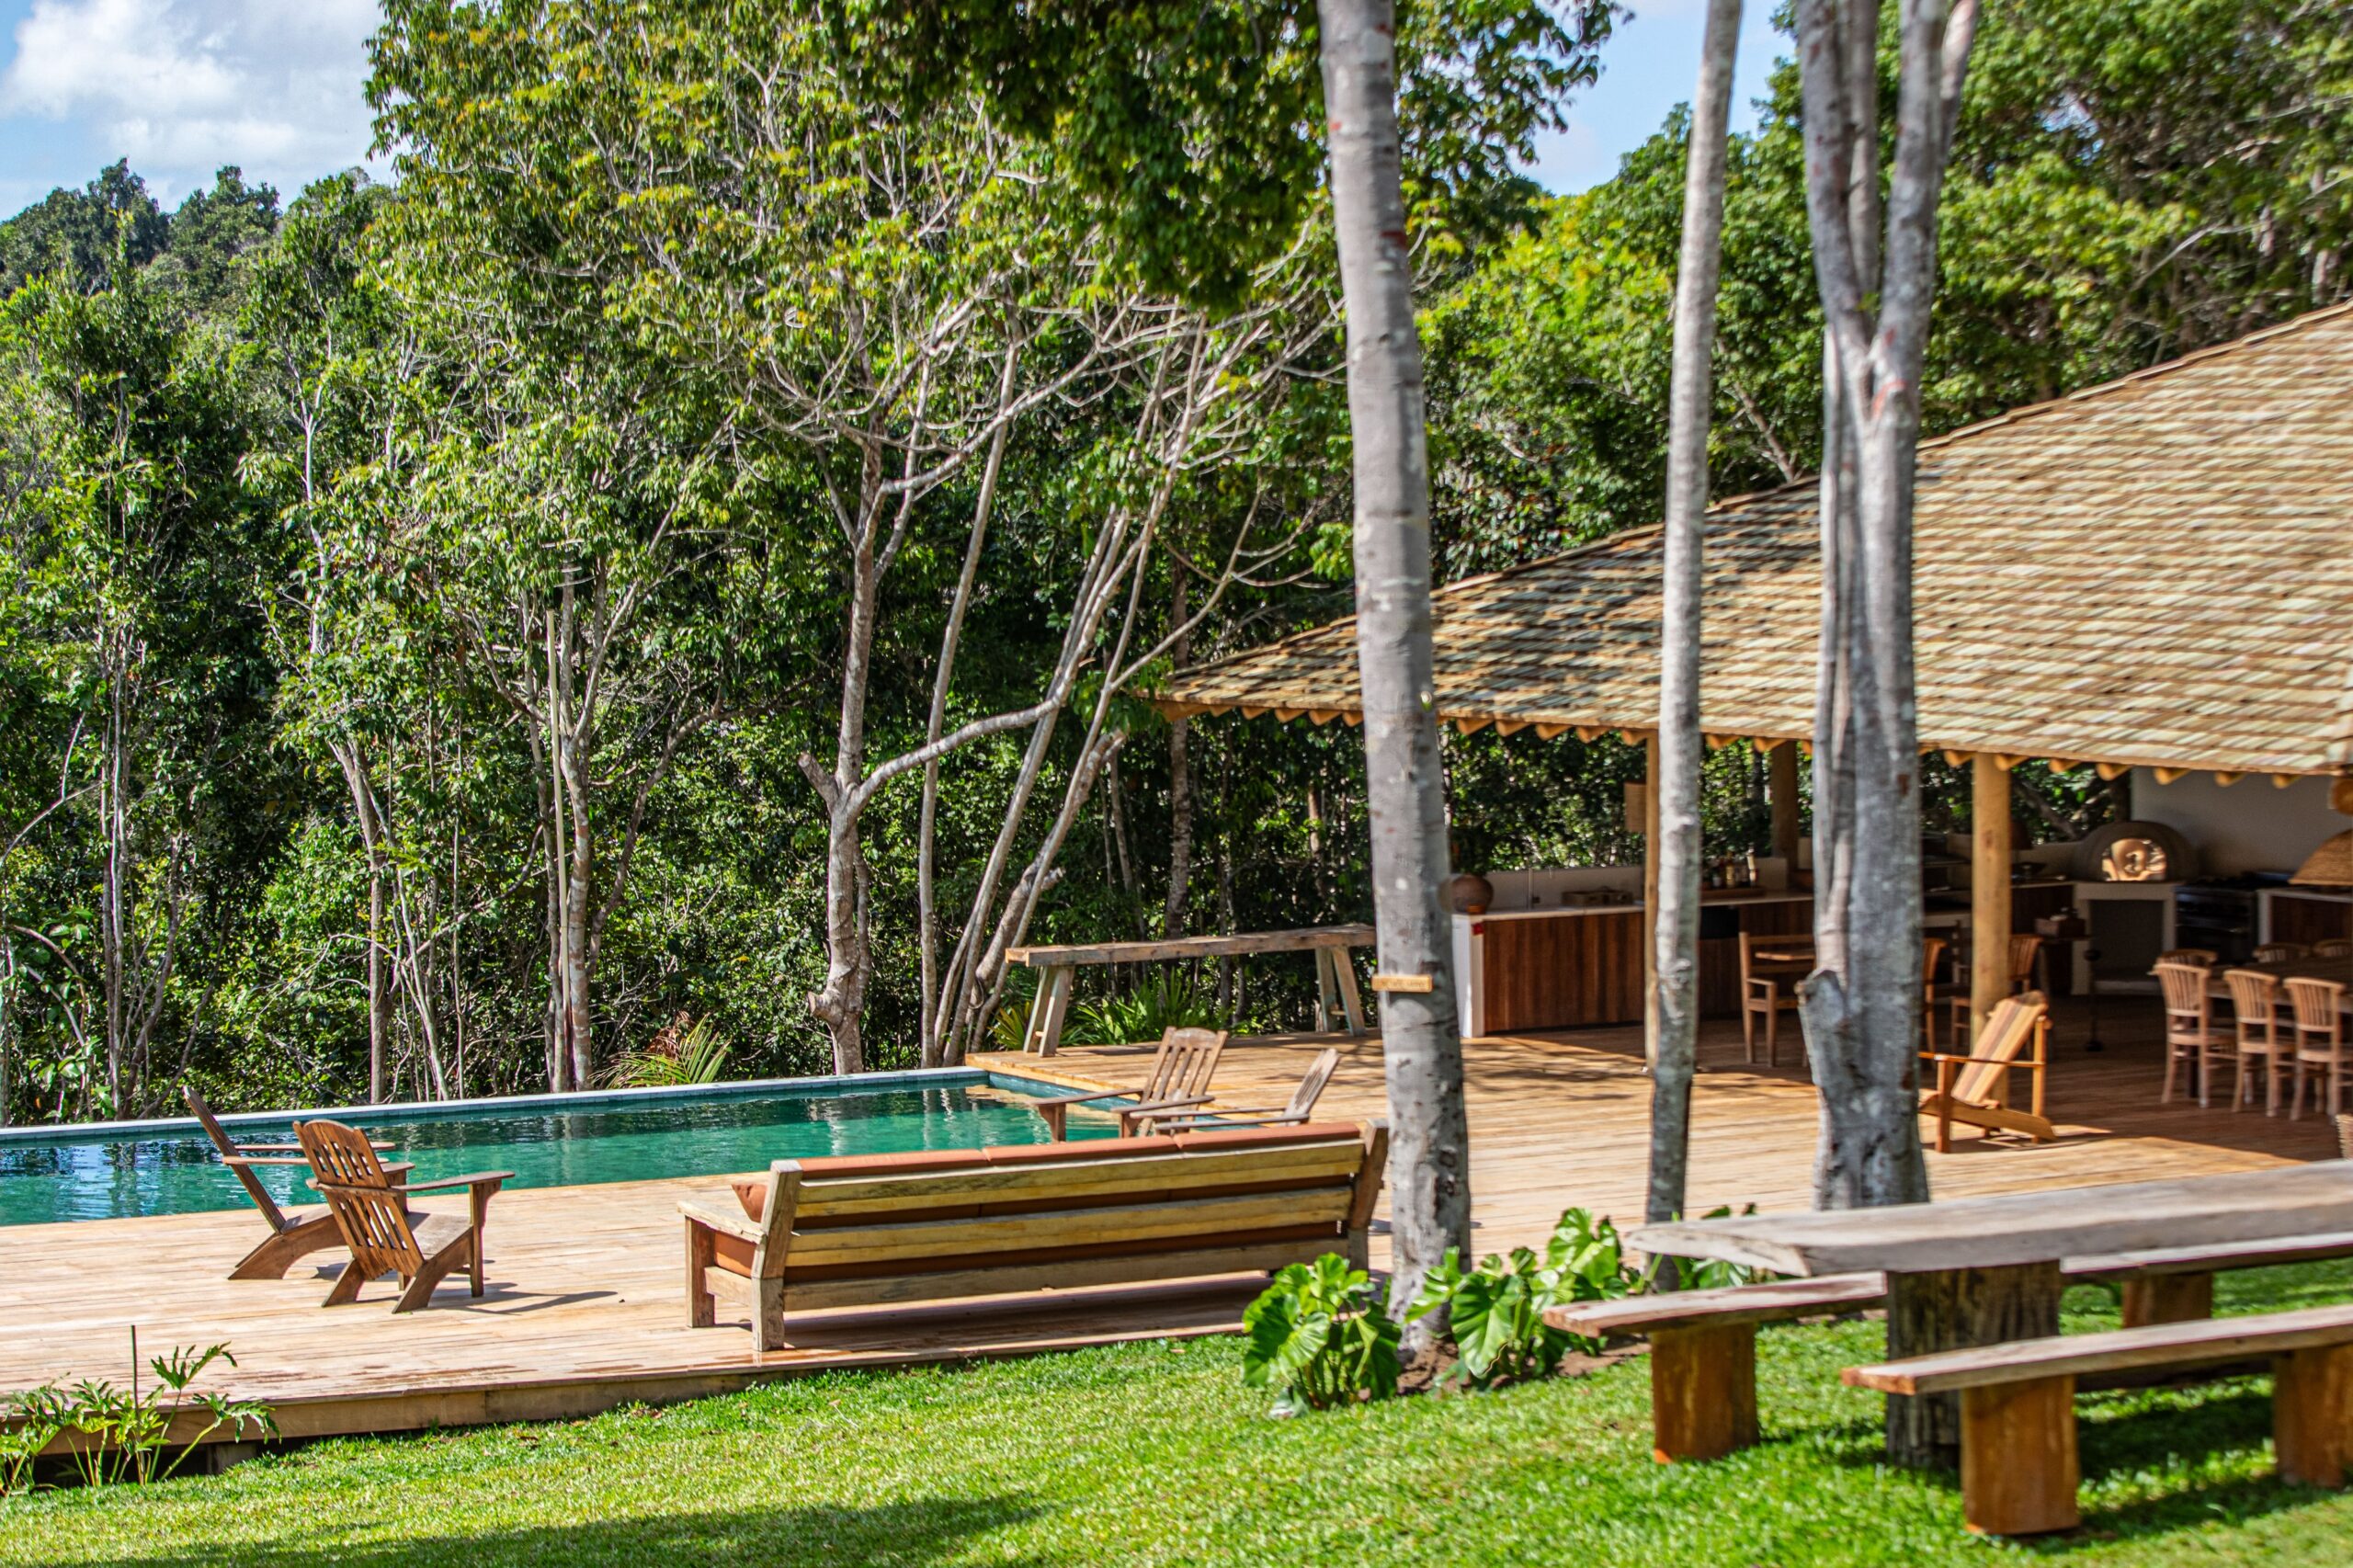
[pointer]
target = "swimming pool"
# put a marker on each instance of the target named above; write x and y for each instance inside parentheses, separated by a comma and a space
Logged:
(170, 1167)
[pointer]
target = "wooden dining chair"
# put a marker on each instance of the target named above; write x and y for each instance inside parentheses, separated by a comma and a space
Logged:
(2189, 1026)
(2024, 950)
(1932, 948)
(2205, 956)
(2281, 953)
(2320, 1041)
(2335, 947)
(384, 1235)
(1766, 990)
(2255, 1008)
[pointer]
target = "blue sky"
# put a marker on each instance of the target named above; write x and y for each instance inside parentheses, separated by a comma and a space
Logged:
(182, 86)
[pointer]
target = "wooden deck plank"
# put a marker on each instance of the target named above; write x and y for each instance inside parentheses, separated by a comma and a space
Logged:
(585, 1305)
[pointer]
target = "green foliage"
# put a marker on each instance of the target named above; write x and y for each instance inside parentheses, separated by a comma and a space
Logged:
(1495, 1313)
(1321, 1336)
(126, 1430)
(1168, 998)
(672, 1059)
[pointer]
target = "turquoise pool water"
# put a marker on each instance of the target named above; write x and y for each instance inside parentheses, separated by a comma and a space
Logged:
(171, 1167)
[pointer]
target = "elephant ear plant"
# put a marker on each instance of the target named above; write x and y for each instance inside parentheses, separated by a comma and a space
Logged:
(1495, 1312)
(1321, 1335)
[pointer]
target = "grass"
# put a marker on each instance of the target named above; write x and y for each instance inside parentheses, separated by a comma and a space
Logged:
(1155, 1454)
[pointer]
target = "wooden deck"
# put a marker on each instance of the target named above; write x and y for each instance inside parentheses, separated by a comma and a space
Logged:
(585, 1309)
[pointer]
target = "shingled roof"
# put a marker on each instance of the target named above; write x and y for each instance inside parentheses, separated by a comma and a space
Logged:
(2156, 571)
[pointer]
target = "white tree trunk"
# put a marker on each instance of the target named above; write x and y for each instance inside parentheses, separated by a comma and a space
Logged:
(1678, 848)
(1861, 1007)
(1429, 1159)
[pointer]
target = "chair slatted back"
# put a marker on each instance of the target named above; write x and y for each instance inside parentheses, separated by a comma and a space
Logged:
(1186, 1060)
(2319, 1008)
(2255, 999)
(1311, 1086)
(2280, 952)
(1931, 949)
(2205, 957)
(2023, 949)
(2189, 1010)
(2335, 947)
(371, 1211)
(2015, 1021)
(220, 1141)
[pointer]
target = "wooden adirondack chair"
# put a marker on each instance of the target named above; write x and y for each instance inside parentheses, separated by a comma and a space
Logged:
(292, 1236)
(1975, 1089)
(1179, 1081)
(384, 1235)
(1301, 1107)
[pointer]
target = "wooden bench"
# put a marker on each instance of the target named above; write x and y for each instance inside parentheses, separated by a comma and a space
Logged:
(1703, 1351)
(2019, 1464)
(1703, 1343)
(864, 1230)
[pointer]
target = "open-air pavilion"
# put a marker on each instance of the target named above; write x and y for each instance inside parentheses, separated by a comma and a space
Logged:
(2151, 577)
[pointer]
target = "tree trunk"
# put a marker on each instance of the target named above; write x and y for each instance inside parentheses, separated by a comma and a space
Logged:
(379, 997)
(1429, 1161)
(1678, 846)
(1180, 778)
(1861, 1007)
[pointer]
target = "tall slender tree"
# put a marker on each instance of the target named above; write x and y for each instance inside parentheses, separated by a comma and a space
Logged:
(1690, 402)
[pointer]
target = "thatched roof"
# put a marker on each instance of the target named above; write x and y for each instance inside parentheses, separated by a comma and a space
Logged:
(2157, 572)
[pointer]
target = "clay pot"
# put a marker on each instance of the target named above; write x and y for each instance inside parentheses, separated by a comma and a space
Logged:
(1467, 893)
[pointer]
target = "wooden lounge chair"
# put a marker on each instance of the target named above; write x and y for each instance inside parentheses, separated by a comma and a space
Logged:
(292, 1236)
(1301, 1107)
(1975, 1089)
(1179, 1080)
(384, 1235)
(864, 1230)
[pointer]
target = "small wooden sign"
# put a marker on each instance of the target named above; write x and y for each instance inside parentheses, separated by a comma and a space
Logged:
(1422, 984)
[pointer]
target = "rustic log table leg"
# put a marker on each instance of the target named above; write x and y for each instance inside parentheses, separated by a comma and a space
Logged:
(1703, 1391)
(1052, 1006)
(2311, 1414)
(2168, 1298)
(1324, 989)
(1952, 1310)
(1344, 971)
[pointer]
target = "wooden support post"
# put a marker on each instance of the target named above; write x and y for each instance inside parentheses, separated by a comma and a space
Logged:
(1343, 974)
(2168, 1298)
(1051, 1008)
(1781, 792)
(1989, 892)
(1703, 1391)
(1324, 999)
(2311, 1414)
(1650, 897)
(1954, 1310)
(2018, 1466)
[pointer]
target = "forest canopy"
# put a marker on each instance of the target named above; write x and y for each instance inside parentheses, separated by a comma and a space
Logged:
(693, 545)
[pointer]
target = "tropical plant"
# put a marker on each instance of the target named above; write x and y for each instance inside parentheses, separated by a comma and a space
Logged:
(1320, 1335)
(1495, 1312)
(683, 1052)
(128, 1429)
(1169, 1000)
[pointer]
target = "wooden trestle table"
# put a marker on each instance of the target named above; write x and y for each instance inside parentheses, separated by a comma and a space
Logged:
(1983, 1271)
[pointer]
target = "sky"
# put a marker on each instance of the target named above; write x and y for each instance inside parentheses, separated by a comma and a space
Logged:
(183, 86)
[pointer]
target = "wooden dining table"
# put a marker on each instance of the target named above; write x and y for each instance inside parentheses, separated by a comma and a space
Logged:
(1984, 1270)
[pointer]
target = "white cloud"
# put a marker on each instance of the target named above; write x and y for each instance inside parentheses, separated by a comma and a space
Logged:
(182, 86)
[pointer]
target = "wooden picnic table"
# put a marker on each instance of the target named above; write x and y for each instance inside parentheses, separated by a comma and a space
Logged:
(1334, 976)
(1984, 1270)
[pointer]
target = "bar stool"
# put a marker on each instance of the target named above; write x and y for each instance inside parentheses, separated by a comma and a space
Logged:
(2255, 1001)
(2189, 1026)
(2320, 1039)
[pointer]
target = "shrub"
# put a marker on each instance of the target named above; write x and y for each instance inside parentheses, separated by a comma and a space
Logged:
(1169, 1000)
(1495, 1312)
(1321, 1335)
(127, 1429)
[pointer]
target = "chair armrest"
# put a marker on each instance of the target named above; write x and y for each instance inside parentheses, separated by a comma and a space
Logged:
(2026, 1062)
(474, 1178)
(1185, 1103)
(1220, 1118)
(743, 1227)
(1080, 1099)
(251, 1160)
(295, 1148)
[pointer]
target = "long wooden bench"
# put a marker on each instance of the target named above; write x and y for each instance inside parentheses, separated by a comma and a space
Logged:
(1703, 1343)
(862, 1231)
(2019, 1463)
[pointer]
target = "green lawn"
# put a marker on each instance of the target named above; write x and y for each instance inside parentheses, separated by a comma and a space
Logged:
(1155, 1454)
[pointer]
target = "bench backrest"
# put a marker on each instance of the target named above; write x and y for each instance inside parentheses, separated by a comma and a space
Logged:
(1034, 1204)
(2014, 1021)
